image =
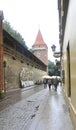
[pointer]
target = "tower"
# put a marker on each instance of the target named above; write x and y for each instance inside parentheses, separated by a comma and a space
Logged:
(40, 49)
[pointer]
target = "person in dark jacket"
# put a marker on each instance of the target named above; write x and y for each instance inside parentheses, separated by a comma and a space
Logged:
(56, 83)
(49, 83)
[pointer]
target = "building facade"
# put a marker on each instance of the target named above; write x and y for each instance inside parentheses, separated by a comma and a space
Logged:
(1, 53)
(67, 39)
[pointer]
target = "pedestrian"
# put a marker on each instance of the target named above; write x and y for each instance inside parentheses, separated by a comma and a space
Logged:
(45, 83)
(52, 82)
(56, 83)
(49, 83)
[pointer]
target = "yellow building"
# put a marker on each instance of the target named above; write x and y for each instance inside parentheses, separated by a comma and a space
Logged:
(67, 40)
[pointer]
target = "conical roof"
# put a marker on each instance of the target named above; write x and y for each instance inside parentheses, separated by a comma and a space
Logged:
(39, 39)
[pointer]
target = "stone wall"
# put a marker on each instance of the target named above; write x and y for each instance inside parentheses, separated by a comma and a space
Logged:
(15, 71)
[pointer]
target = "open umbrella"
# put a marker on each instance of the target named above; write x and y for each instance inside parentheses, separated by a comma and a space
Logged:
(46, 77)
(58, 77)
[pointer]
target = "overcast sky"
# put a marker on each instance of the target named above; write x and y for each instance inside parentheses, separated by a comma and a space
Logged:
(28, 16)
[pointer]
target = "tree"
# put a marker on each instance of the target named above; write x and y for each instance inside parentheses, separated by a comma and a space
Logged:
(58, 66)
(53, 69)
(14, 33)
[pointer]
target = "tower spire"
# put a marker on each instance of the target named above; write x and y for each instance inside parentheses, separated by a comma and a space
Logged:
(39, 39)
(40, 48)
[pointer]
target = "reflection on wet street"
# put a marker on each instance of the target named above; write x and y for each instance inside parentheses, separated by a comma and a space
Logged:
(26, 93)
(14, 96)
(55, 115)
(20, 115)
(35, 109)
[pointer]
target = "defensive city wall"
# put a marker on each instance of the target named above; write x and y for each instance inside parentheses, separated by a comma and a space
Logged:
(17, 63)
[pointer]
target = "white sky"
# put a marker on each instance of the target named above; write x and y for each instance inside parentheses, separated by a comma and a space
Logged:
(28, 16)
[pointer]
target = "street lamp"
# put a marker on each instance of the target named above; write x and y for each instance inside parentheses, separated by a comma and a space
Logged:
(55, 54)
(53, 48)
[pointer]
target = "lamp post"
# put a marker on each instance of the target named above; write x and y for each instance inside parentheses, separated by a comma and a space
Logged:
(53, 47)
(56, 55)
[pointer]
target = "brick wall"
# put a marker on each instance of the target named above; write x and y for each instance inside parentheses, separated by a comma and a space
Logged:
(41, 51)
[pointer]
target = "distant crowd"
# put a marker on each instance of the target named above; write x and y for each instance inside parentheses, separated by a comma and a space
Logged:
(51, 82)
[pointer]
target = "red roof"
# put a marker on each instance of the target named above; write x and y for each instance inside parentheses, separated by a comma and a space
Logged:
(39, 39)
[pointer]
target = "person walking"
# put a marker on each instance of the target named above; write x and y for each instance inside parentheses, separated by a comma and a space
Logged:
(56, 83)
(49, 83)
(45, 82)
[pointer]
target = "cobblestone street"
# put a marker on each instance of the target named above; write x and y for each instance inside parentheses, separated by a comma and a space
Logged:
(18, 116)
(44, 110)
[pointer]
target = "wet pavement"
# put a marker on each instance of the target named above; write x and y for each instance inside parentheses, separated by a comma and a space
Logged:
(44, 110)
(20, 115)
(17, 95)
(55, 114)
